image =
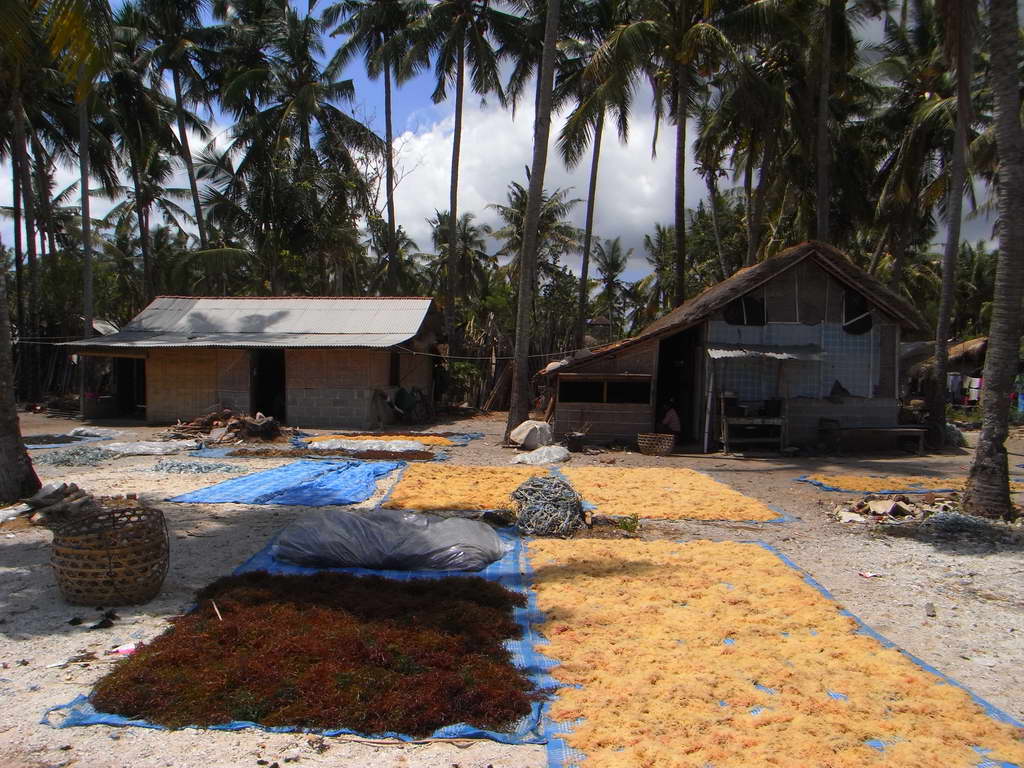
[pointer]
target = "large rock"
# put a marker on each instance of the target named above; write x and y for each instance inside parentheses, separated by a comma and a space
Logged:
(531, 434)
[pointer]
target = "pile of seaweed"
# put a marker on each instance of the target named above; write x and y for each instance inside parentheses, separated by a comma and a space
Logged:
(330, 651)
(284, 453)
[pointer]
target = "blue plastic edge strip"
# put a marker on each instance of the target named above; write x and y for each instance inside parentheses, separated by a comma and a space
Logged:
(832, 489)
(989, 709)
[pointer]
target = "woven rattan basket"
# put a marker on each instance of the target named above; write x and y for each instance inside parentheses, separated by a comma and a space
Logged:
(112, 557)
(655, 445)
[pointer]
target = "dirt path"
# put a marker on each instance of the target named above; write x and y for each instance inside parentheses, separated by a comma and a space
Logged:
(977, 588)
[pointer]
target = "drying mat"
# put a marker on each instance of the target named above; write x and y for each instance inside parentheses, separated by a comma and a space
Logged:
(440, 488)
(888, 484)
(673, 493)
(511, 571)
(304, 483)
(706, 653)
(77, 440)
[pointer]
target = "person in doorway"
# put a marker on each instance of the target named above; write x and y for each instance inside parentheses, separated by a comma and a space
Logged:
(670, 419)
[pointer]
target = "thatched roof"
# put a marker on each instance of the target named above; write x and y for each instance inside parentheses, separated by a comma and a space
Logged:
(747, 279)
(968, 354)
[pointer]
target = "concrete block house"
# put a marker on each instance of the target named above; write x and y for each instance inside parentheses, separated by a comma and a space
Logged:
(779, 349)
(312, 361)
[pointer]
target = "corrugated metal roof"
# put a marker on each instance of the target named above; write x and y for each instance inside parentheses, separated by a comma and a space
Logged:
(172, 321)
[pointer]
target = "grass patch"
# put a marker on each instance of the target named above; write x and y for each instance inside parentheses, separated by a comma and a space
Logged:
(330, 651)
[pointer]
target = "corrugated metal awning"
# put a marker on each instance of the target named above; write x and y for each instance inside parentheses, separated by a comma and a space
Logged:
(774, 352)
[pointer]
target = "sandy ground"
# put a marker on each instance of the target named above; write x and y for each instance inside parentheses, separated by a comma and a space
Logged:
(975, 585)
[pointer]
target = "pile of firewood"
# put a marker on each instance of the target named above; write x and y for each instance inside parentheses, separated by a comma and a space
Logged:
(227, 426)
(55, 503)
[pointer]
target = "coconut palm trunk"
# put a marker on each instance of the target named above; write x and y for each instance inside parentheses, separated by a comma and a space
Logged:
(186, 156)
(19, 254)
(520, 405)
(988, 484)
(823, 152)
(389, 180)
(454, 344)
(964, 51)
(17, 477)
(588, 233)
(87, 302)
(22, 172)
(681, 96)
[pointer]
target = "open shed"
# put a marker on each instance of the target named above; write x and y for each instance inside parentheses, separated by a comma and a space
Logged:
(311, 361)
(799, 338)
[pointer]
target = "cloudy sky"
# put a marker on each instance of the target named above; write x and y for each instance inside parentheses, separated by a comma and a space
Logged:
(635, 190)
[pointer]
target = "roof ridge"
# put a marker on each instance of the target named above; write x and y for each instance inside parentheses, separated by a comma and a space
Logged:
(304, 298)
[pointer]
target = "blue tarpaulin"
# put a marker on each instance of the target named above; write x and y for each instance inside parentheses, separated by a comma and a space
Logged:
(807, 479)
(305, 483)
(511, 571)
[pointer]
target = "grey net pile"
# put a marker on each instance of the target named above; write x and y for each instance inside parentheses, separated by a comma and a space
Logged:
(178, 467)
(76, 456)
(547, 506)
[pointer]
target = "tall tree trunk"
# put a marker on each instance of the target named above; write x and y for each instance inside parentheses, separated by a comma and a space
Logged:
(186, 156)
(756, 232)
(389, 180)
(17, 477)
(140, 217)
(988, 483)
(681, 95)
(87, 308)
(823, 151)
(520, 406)
(588, 234)
(748, 202)
(876, 256)
(23, 174)
(713, 195)
(19, 256)
(954, 210)
(454, 344)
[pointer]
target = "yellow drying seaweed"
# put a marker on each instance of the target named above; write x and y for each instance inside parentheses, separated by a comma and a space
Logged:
(663, 494)
(426, 487)
(425, 439)
(873, 484)
(717, 653)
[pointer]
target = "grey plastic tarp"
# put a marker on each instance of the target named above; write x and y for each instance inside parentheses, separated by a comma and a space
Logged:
(388, 538)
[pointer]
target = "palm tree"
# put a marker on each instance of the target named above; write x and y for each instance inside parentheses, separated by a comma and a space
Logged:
(177, 29)
(473, 263)
(660, 255)
(611, 262)
(457, 33)
(586, 123)
(555, 235)
(988, 484)
(378, 29)
(960, 18)
(520, 406)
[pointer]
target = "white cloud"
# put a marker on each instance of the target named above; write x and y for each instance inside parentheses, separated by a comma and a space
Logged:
(634, 191)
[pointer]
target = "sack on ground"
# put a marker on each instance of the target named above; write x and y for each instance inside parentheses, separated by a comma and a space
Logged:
(388, 539)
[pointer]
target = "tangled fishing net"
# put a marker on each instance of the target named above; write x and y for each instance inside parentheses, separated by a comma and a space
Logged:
(76, 456)
(547, 506)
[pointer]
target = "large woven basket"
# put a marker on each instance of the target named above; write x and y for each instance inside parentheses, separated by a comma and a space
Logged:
(655, 445)
(113, 557)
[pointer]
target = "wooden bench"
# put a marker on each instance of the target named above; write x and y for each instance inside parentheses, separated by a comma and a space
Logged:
(836, 432)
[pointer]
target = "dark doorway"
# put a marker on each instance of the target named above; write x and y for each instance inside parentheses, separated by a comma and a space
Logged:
(679, 380)
(130, 386)
(267, 384)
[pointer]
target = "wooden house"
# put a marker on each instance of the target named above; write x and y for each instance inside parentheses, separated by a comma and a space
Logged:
(310, 361)
(776, 351)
